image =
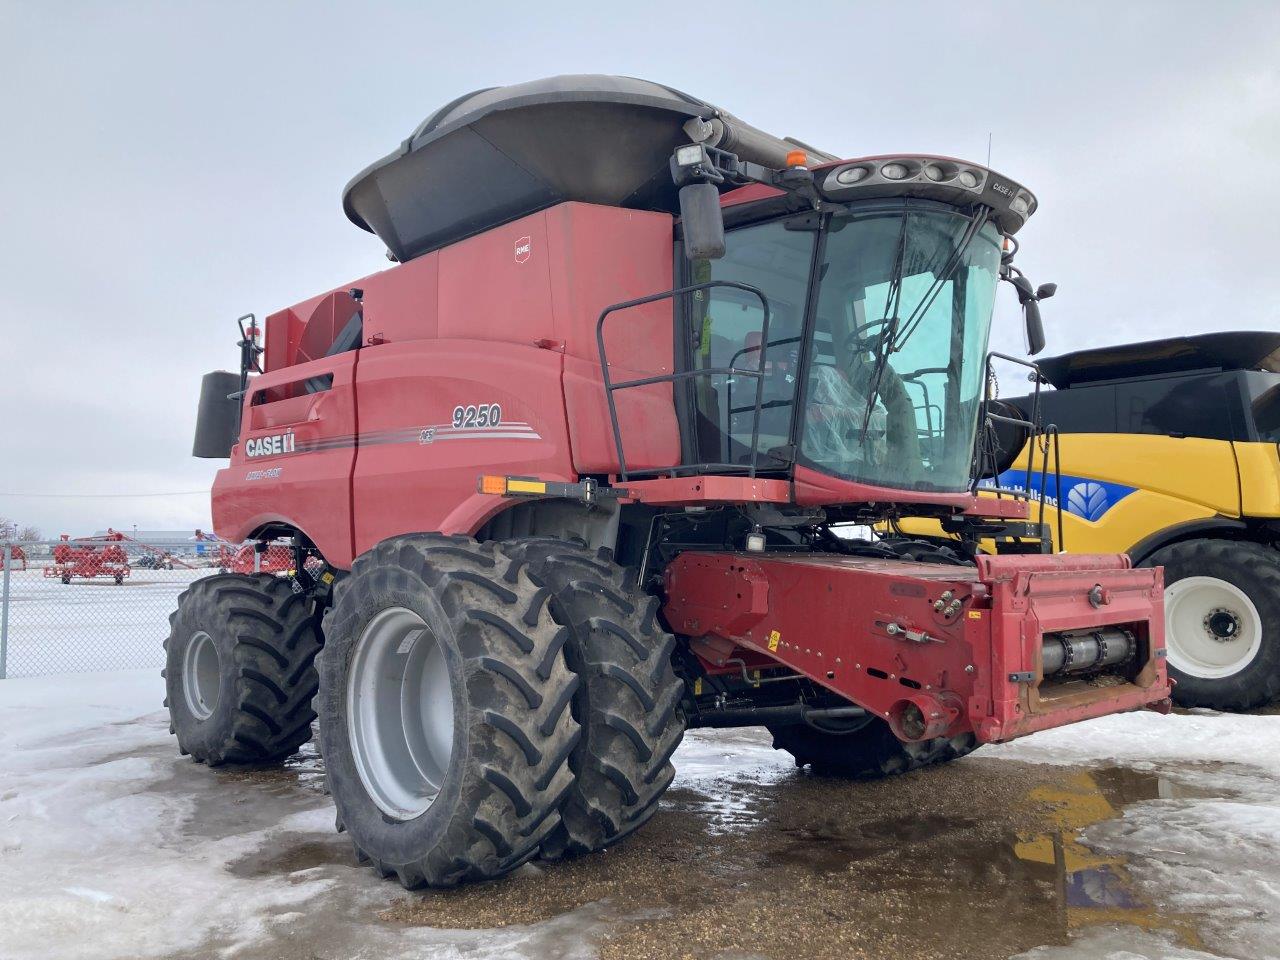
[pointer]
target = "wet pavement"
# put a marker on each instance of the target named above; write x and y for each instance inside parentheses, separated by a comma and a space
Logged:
(981, 858)
(1136, 837)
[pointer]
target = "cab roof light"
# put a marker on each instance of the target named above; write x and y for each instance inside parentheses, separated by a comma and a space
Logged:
(949, 181)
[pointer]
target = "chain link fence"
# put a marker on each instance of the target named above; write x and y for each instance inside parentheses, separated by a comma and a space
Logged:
(102, 604)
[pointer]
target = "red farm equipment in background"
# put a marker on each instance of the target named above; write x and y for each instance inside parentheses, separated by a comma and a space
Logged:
(107, 556)
(277, 558)
(89, 557)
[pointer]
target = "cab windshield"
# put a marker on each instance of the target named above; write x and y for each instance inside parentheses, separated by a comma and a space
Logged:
(893, 357)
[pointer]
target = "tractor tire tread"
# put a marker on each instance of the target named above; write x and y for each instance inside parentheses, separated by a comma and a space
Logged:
(871, 752)
(1258, 683)
(629, 700)
(274, 639)
(520, 735)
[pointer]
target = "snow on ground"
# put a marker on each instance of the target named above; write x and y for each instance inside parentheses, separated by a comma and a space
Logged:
(91, 624)
(112, 846)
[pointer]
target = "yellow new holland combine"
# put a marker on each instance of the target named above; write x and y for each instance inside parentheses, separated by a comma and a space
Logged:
(1169, 453)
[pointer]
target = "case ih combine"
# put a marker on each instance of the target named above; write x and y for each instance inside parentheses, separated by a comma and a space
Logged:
(571, 477)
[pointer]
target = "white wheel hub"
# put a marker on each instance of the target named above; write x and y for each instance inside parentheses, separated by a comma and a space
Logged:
(1212, 628)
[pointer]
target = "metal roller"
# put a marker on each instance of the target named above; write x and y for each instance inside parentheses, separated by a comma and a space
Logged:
(1079, 651)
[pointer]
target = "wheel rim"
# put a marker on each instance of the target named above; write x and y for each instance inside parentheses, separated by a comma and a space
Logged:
(1212, 628)
(400, 713)
(201, 675)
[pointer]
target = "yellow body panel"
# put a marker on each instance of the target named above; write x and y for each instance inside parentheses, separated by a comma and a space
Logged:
(1192, 470)
(1259, 479)
(1143, 484)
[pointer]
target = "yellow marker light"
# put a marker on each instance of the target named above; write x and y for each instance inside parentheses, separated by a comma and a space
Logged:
(797, 158)
(496, 486)
(526, 486)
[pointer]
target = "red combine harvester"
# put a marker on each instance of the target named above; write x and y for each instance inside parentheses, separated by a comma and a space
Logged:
(575, 476)
(89, 557)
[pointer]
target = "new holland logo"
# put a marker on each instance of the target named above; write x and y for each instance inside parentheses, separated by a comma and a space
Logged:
(271, 446)
(524, 247)
(1088, 500)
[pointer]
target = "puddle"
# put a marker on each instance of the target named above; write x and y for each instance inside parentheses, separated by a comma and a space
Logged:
(304, 770)
(979, 859)
(292, 853)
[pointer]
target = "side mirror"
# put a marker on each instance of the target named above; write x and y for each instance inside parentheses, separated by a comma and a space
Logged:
(702, 221)
(1034, 327)
(1030, 300)
(218, 418)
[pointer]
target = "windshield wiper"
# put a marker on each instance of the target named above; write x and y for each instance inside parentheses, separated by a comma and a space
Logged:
(890, 342)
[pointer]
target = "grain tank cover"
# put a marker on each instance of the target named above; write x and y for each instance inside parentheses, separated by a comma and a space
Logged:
(501, 153)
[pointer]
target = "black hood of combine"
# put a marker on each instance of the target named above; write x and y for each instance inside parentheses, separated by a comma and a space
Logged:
(501, 153)
(1233, 350)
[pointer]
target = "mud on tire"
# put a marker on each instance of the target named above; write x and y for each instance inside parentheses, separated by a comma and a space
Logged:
(867, 753)
(239, 669)
(629, 700)
(504, 770)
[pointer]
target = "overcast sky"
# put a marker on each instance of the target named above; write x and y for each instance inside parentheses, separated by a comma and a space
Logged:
(167, 167)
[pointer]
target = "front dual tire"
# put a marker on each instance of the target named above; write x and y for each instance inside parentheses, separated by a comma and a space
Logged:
(481, 704)
(445, 711)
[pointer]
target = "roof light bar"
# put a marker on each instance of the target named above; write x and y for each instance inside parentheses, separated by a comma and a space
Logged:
(933, 178)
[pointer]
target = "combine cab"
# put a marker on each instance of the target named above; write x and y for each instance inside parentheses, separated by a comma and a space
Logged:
(572, 477)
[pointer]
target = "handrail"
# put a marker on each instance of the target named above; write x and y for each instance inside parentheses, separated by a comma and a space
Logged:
(610, 386)
(1040, 439)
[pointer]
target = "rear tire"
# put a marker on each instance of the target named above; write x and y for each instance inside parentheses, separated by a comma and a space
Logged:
(870, 752)
(239, 669)
(629, 700)
(1222, 622)
(453, 769)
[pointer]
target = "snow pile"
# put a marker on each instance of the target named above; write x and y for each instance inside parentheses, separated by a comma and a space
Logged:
(1141, 738)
